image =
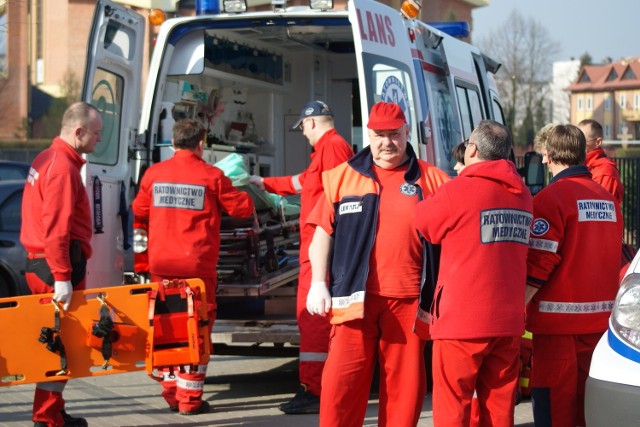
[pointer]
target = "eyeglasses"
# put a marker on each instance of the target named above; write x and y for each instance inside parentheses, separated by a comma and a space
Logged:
(301, 125)
(467, 143)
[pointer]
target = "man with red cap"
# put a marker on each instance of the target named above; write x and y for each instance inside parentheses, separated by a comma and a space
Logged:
(365, 243)
(329, 150)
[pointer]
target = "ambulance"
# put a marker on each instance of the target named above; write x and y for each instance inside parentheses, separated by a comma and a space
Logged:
(246, 75)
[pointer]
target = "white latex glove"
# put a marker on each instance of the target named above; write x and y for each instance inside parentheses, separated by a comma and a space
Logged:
(258, 181)
(62, 292)
(318, 299)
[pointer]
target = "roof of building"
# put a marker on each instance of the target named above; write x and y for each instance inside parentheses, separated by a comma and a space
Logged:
(622, 74)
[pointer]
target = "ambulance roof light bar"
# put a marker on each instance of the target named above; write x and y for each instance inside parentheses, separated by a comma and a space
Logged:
(234, 6)
(456, 29)
(322, 5)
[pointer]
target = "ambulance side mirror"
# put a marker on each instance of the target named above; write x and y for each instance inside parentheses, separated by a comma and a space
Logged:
(534, 172)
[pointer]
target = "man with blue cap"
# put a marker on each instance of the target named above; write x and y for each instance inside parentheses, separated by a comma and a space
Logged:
(329, 150)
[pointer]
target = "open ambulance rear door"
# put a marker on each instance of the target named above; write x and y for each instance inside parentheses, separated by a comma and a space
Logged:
(112, 84)
(383, 54)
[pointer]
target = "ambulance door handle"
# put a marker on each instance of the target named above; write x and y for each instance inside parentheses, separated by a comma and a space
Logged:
(425, 133)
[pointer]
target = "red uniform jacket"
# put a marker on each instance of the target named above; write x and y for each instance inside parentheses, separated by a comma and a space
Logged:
(182, 200)
(328, 152)
(482, 220)
(574, 257)
(605, 172)
(55, 208)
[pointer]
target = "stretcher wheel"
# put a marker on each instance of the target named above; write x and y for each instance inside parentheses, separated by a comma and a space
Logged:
(271, 261)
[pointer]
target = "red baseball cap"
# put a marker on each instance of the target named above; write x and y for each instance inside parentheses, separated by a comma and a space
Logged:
(386, 116)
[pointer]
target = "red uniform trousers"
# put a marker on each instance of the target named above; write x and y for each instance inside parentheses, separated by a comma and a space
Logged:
(314, 336)
(559, 374)
(48, 402)
(182, 386)
(385, 330)
(490, 366)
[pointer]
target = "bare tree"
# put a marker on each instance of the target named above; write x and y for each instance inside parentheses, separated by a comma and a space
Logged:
(526, 51)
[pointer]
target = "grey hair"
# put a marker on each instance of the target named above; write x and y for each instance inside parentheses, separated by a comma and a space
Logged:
(493, 140)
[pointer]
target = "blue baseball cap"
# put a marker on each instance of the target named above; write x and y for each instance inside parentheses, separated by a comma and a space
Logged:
(312, 109)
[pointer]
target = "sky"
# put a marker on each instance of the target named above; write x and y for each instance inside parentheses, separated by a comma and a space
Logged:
(603, 28)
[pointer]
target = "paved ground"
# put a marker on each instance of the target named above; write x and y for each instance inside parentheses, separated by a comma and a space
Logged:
(243, 390)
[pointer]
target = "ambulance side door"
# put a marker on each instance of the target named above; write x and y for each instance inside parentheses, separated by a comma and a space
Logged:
(384, 60)
(112, 83)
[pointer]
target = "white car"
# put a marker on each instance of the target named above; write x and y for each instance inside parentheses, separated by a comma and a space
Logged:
(613, 386)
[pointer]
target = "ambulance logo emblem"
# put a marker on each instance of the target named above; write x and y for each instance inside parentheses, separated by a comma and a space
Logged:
(408, 189)
(394, 91)
(540, 227)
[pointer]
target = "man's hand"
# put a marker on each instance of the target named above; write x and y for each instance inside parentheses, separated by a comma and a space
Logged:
(258, 181)
(318, 299)
(62, 292)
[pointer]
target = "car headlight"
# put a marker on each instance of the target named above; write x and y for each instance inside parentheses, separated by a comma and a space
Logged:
(140, 240)
(625, 318)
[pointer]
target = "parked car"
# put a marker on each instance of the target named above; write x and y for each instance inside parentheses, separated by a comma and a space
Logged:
(13, 170)
(12, 253)
(613, 386)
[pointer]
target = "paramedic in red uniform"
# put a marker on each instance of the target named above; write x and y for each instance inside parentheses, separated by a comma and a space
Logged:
(365, 238)
(329, 150)
(603, 170)
(572, 278)
(56, 232)
(482, 220)
(184, 236)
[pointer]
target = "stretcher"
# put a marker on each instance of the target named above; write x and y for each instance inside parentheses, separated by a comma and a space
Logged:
(259, 254)
(105, 331)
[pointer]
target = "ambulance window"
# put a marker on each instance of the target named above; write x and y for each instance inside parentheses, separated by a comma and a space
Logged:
(498, 115)
(118, 39)
(470, 108)
(106, 95)
(390, 81)
(443, 117)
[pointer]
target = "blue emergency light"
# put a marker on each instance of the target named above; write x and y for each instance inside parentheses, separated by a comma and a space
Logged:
(455, 29)
(207, 7)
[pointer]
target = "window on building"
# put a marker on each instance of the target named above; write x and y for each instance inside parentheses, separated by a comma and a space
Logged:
(623, 100)
(584, 78)
(606, 132)
(4, 67)
(612, 75)
(607, 103)
(636, 101)
(580, 103)
(629, 74)
(589, 102)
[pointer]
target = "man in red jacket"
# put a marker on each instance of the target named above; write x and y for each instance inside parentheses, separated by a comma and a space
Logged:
(365, 243)
(329, 150)
(181, 201)
(570, 296)
(56, 232)
(482, 220)
(603, 170)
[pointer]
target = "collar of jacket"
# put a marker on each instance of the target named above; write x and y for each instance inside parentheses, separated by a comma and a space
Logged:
(363, 163)
(571, 171)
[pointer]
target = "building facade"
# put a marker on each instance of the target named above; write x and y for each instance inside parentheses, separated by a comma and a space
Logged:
(609, 94)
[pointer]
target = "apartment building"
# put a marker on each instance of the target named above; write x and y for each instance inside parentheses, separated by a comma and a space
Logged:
(43, 48)
(610, 94)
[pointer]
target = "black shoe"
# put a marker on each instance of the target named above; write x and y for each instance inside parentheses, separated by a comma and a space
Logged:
(70, 421)
(304, 402)
(202, 409)
(173, 408)
(39, 424)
